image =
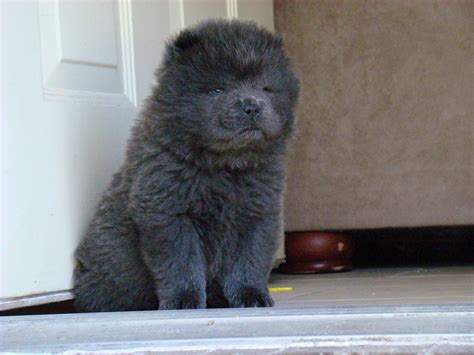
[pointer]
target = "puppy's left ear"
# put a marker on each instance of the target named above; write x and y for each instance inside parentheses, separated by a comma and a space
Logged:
(185, 40)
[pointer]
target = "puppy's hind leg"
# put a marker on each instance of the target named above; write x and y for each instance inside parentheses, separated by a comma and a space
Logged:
(110, 274)
(95, 293)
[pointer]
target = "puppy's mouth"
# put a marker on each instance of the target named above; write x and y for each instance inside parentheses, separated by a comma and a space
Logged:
(252, 133)
(243, 139)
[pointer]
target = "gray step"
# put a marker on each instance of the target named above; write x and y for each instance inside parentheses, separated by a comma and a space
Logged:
(420, 328)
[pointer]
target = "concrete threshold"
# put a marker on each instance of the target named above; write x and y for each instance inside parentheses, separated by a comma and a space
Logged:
(408, 328)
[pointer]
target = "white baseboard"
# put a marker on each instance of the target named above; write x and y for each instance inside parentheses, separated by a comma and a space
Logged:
(34, 300)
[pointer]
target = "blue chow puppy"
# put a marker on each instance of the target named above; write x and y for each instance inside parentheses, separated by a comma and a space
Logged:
(192, 218)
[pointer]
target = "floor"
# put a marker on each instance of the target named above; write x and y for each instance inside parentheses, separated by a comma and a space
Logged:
(412, 309)
(377, 286)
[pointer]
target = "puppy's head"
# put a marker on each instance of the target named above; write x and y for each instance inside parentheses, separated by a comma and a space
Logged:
(228, 86)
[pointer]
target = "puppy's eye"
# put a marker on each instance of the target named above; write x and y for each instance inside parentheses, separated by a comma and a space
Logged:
(270, 89)
(216, 92)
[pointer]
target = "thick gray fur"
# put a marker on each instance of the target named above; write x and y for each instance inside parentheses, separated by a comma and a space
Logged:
(193, 216)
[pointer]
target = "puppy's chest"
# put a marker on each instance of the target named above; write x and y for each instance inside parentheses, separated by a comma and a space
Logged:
(227, 202)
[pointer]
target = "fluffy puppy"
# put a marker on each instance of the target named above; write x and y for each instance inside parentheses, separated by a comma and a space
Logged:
(193, 216)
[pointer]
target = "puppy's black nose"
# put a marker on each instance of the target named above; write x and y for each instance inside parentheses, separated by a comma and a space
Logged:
(251, 107)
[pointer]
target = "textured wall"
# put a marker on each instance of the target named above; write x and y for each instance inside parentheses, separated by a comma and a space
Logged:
(386, 132)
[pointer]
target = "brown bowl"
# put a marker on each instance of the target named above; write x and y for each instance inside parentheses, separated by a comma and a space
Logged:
(312, 252)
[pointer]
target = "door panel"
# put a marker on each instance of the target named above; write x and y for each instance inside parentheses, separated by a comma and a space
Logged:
(87, 51)
(87, 31)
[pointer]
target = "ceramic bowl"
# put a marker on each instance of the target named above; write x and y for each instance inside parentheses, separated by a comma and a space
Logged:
(312, 252)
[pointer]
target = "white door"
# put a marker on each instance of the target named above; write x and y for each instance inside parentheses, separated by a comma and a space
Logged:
(74, 75)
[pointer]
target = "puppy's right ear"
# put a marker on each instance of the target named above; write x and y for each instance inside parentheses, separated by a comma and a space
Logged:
(185, 40)
(278, 40)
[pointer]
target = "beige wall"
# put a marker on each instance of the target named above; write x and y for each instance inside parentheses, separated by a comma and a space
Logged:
(386, 114)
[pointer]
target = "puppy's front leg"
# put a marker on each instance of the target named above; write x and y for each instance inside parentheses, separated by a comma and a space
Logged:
(173, 254)
(246, 283)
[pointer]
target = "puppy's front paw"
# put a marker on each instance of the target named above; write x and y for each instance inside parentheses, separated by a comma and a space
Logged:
(183, 300)
(251, 297)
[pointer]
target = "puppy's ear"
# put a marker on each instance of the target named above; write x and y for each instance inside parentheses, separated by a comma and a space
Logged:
(184, 41)
(278, 40)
